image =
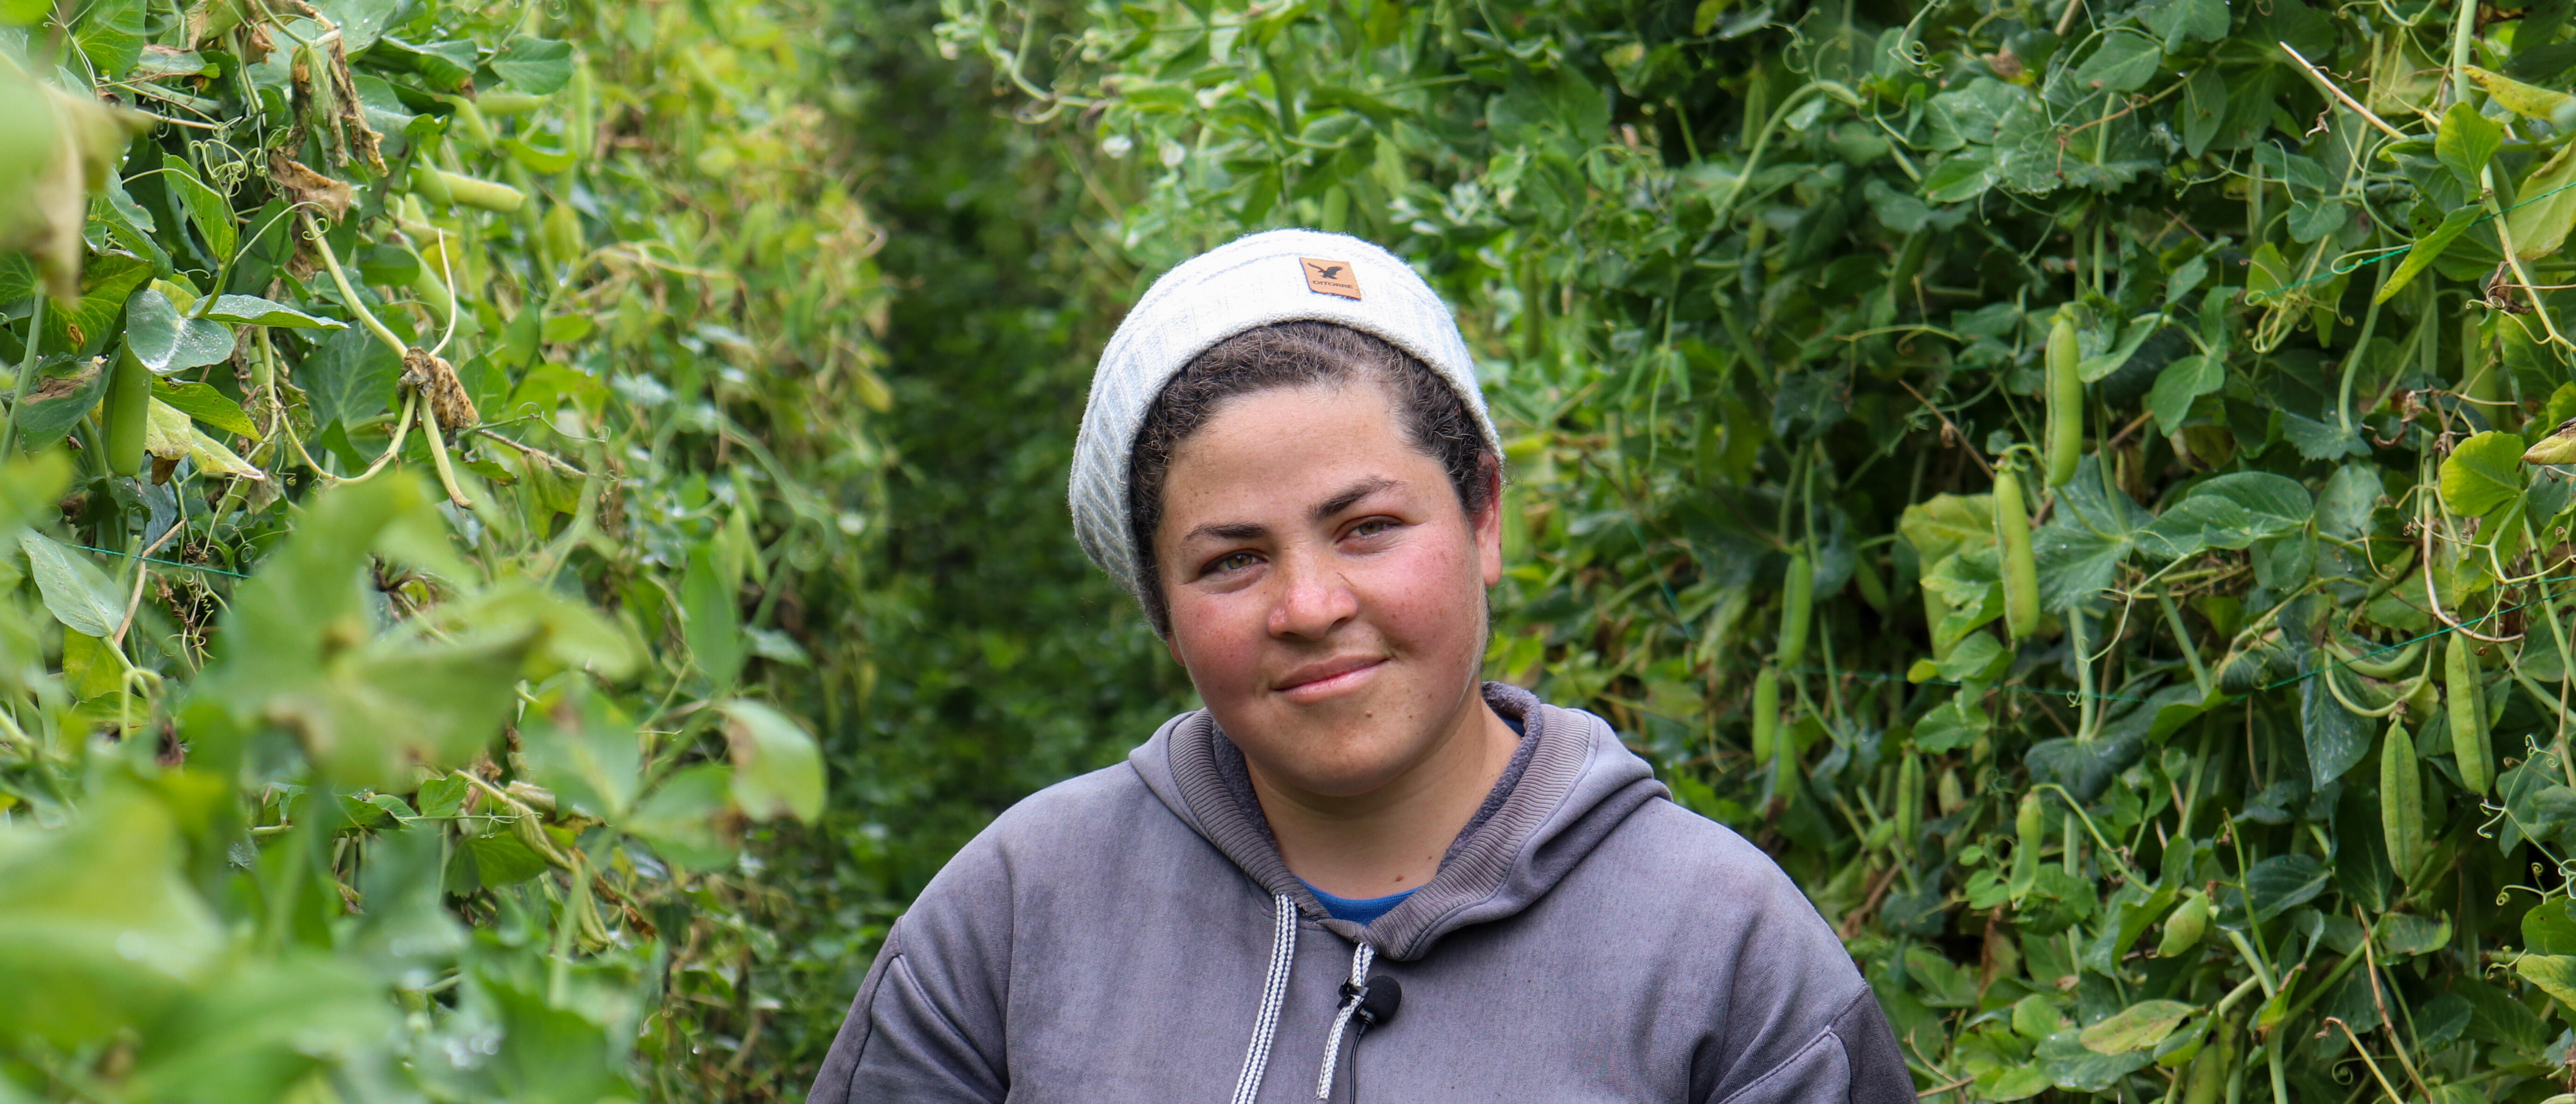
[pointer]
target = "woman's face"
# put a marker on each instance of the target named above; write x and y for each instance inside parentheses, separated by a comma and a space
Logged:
(1326, 589)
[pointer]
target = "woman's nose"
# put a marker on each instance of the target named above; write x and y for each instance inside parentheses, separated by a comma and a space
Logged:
(1313, 599)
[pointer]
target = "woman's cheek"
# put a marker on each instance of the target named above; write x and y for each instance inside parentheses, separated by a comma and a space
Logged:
(1220, 638)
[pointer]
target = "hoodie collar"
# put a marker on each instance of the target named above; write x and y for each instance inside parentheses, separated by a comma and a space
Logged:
(1569, 785)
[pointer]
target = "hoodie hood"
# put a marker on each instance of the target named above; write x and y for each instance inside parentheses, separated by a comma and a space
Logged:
(1571, 783)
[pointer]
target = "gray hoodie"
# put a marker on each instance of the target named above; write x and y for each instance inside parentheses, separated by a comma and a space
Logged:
(1133, 935)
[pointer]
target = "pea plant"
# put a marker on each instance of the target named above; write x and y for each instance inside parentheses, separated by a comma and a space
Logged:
(418, 461)
(2082, 484)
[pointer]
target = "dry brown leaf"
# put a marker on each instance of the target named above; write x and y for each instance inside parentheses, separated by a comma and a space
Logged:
(72, 141)
(436, 381)
(302, 185)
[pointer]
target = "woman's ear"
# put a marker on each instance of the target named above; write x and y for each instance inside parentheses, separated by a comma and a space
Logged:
(1488, 522)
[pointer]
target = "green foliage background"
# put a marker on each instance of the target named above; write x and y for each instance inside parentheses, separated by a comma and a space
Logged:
(454, 782)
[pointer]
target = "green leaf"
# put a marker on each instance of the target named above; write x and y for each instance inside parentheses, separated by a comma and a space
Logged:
(2136, 1027)
(76, 592)
(206, 404)
(536, 66)
(2482, 473)
(777, 767)
(2336, 738)
(578, 750)
(206, 207)
(2345, 506)
(2076, 1068)
(2465, 143)
(2231, 511)
(2283, 882)
(2428, 249)
(251, 310)
(1960, 177)
(445, 65)
(349, 378)
(2180, 21)
(2204, 107)
(1947, 523)
(502, 858)
(712, 621)
(2528, 101)
(166, 342)
(2126, 60)
(2180, 382)
(100, 929)
(110, 35)
(360, 22)
(680, 817)
(2550, 928)
(2404, 935)
(64, 394)
(2540, 219)
(2093, 368)
(1958, 722)
(108, 282)
(2554, 974)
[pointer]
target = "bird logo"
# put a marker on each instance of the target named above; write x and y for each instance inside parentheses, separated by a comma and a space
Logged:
(1330, 277)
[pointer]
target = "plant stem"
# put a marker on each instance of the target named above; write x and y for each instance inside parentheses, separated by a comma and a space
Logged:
(2182, 636)
(26, 374)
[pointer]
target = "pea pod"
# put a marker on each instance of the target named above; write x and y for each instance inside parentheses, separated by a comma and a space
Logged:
(1953, 797)
(2184, 929)
(2401, 802)
(2031, 827)
(2065, 402)
(2377, 663)
(1909, 802)
(2467, 700)
(2021, 569)
(126, 413)
(1766, 713)
(442, 186)
(2209, 1072)
(1873, 590)
(1797, 603)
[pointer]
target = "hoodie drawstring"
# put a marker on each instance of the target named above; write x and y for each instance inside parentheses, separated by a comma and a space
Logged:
(1274, 992)
(1352, 991)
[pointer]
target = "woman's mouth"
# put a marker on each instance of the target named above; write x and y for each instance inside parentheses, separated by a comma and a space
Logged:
(1317, 681)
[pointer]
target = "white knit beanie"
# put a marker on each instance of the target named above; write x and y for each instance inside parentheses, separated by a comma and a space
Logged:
(1267, 278)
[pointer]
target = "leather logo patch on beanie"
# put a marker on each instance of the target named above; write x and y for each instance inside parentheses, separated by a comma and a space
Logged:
(1330, 277)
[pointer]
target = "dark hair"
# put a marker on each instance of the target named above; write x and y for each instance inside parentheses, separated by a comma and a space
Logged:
(1297, 354)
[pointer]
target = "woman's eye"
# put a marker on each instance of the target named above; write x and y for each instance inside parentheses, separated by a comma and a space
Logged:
(1371, 527)
(1235, 561)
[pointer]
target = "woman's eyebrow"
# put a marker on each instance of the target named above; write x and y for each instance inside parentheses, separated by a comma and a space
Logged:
(1229, 531)
(1352, 494)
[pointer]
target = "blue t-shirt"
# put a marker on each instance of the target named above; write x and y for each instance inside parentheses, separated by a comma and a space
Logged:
(1358, 911)
(1367, 910)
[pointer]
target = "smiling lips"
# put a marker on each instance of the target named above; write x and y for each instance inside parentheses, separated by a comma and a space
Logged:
(1326, 678)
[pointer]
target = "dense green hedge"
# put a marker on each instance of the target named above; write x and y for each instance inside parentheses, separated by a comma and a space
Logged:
(446, 425)
(2183, 801)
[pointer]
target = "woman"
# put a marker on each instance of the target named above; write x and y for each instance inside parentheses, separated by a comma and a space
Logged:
(1404, 884)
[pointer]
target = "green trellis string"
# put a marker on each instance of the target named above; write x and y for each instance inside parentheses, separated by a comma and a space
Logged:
(2350, 262)
(2550, 593)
